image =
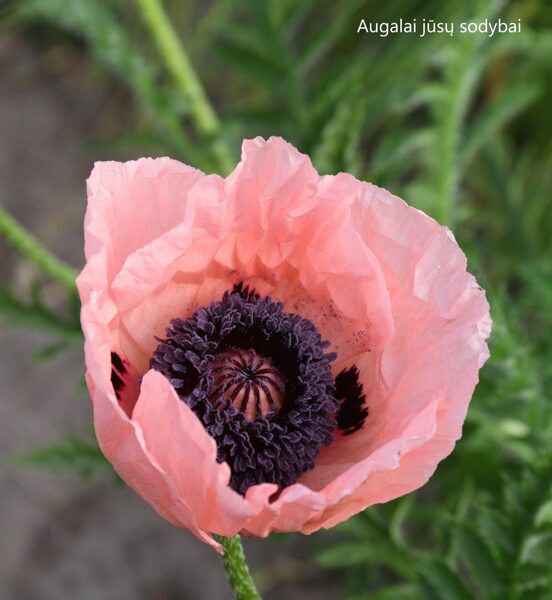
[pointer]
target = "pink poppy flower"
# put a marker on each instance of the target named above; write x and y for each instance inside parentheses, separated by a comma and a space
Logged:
(273, 351)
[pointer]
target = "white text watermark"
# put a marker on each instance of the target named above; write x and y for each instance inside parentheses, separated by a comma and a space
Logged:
(423, 27)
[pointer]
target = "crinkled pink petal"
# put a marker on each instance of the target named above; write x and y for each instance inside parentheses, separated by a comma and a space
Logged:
(120, 438)
(189, 460)
(384, 283)
(272, 183)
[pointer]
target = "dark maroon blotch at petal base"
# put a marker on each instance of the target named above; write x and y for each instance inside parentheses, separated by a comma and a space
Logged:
(353, 410)
(117, 363)
(118, 371)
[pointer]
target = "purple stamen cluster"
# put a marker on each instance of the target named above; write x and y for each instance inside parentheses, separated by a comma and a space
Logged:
(260, 381)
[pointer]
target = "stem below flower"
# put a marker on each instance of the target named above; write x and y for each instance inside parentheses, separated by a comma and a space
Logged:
(237, 570)
(179, 66)
(31, 248)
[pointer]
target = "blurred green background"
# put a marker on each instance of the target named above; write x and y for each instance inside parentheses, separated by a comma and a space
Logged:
(458, 126)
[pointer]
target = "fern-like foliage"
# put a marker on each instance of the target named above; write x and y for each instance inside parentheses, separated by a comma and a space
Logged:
(495, 547)
(35, 315)
(99, 24)
(70, 454)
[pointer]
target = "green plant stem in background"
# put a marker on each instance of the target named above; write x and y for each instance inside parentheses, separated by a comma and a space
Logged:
(451, 115)
(178, 64)
(236, 568)
(32, 249)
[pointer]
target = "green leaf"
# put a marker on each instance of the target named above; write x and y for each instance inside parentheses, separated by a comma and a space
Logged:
(251, 63)
(510, 103)
(129, 142)
(532, 579)
(400, 151)
(70, 454)
(403, 591)
(543, 516)
(401, 513)
(323, 40)
(537, 549)
(375, 547)
(341, 133)
(343, 555)
(49, 351)
(36, 316)
(475, 553)
(493, 525)
(94, 21)
(444, 582)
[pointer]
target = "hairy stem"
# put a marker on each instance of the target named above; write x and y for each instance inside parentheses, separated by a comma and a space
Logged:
(32, 249)
(461, 83)
(236, 568)
(461, 78)
(179, 66)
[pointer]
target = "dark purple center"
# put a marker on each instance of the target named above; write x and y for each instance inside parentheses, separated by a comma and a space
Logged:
(261, 383)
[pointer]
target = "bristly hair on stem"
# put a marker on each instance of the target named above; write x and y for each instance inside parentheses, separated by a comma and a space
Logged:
(179, 66)
(31, 248)
(237, 570)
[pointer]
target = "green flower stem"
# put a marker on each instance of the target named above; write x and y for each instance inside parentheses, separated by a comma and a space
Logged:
(237, 570)
(32, 249)
(178, 64)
